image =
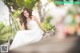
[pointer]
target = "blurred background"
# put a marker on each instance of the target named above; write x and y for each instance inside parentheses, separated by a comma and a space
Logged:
(52, 14)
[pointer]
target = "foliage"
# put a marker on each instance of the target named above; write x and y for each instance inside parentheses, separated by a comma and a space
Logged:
(5, 32)
(16, 4)
(11, 3)
(26, 3)
(16, 13)
(46, 23)
(14, 21)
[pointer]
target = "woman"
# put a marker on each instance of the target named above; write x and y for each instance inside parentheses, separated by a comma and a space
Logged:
(33, 32)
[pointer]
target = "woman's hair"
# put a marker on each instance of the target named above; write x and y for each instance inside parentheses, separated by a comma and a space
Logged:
(24, 19)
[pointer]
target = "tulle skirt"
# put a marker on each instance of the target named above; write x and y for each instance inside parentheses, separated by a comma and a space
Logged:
(25, 37)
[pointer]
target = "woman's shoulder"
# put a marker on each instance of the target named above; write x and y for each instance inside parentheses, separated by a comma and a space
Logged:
(33, 17)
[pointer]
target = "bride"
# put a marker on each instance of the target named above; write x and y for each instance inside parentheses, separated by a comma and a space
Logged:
(30, 31)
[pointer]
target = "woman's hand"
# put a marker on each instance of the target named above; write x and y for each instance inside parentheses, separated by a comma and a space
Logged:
(22, 27)
(45, 30)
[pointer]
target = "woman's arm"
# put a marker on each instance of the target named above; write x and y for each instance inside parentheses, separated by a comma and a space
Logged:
(39, 23)
(21, 26)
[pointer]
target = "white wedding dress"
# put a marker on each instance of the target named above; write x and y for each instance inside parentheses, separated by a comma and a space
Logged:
(23, 37)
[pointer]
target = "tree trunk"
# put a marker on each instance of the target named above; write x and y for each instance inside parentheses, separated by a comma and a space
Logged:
(39, 6)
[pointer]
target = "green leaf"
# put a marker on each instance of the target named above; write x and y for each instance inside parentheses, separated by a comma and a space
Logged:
(5, 32)
(27, 3)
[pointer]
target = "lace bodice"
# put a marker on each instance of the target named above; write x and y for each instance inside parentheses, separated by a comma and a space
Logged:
(32, 25)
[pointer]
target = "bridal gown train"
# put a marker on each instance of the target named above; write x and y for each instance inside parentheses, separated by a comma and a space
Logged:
(23, 37)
